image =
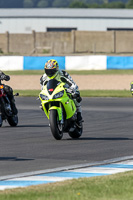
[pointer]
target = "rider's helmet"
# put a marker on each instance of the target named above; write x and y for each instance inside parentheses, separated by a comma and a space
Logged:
(51, 68)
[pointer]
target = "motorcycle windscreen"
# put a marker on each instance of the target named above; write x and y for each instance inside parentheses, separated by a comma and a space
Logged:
(51, 85)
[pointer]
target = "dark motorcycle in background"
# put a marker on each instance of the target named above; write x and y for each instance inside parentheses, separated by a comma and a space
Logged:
(6, 112)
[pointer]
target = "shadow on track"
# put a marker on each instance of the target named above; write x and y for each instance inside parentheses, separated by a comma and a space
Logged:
(32, 125)
(13, 159)
(25, 126)
(93, 138)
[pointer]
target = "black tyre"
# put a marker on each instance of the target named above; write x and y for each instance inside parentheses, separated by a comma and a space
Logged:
(56, 128)
(77, 132)
(0, 120)
(13, 120)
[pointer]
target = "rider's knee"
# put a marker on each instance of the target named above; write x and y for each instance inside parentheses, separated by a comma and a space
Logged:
(8, 90)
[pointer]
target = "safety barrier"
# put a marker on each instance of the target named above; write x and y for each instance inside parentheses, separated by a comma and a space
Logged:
(95, 62)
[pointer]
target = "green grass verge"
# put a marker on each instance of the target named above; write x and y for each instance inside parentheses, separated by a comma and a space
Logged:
(105, 93)
(81, 72)
(101, 72)
(112, 187)
(84, 93)
(25, 72)
(27, 93)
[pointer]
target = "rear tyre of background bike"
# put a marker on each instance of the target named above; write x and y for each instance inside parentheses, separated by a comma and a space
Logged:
(53, 118)
(0, 120)
(77, 132)
(13, 121)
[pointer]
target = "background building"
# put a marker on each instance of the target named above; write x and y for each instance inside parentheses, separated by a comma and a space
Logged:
(64, 20)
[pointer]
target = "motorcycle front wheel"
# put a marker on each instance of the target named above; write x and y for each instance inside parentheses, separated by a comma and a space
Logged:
(13, 120)
(56, 127)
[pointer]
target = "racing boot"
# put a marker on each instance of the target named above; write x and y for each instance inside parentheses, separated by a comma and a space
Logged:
(79, 119)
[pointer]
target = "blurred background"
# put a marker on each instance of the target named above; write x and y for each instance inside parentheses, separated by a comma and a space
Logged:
(71, 27)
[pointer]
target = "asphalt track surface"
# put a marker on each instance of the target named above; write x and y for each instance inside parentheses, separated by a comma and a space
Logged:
(108, 134)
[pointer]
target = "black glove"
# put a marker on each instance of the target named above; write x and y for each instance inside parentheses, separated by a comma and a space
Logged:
(79, 99)
(4, 77)
(76, 95)
(7, 78)
(68, 90)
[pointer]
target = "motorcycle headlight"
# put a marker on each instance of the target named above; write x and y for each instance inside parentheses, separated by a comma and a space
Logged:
(58, 95)
(44, 97)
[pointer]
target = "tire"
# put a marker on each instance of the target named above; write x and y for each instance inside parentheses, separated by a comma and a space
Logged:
(56, 129)
(13, 120)
(77, 132)
(0, 120)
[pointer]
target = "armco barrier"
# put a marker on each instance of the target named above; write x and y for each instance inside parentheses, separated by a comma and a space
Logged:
(95, 62)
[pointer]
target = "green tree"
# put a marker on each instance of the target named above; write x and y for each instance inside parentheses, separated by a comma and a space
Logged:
(78, 4)
(11, 3)
(114, 5)
(129, 4)
(60, 3)
(35, 2)
(66, 3)
(43, 4)
(94, 5)
(94, 1)
(28, 4)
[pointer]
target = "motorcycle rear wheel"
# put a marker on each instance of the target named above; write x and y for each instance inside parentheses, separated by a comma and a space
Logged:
(56, 128)
(13, 120)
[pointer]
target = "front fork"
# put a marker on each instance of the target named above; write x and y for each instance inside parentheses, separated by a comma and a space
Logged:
(59, 111)
(62, 119)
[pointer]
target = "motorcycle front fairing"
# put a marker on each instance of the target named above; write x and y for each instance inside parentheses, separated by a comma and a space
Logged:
(54, 96)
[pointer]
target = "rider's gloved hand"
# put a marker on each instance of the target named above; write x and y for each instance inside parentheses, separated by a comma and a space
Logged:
(78, 97)
(7, 78)
(2, 77)
(69, 90)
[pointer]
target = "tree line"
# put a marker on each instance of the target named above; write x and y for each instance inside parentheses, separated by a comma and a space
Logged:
(66, 4)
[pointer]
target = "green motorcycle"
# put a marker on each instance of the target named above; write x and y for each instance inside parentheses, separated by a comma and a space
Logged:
(60, 109)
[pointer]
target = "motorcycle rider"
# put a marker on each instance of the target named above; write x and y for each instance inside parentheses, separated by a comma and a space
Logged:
(52, 71)
(9, 91)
